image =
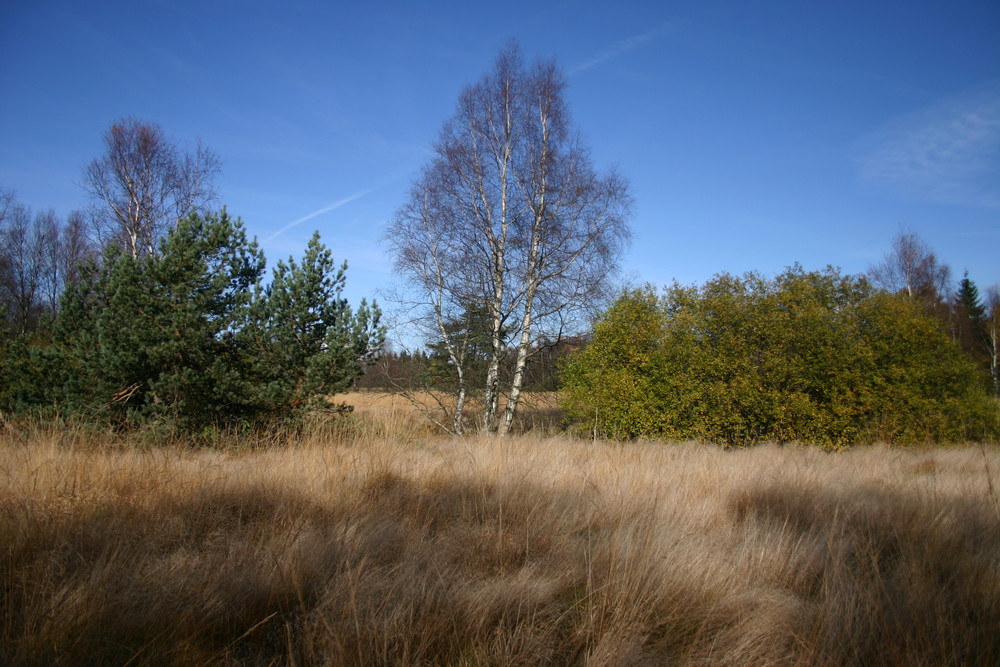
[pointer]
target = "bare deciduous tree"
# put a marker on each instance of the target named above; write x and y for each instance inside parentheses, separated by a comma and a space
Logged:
(22, 248)
(47, 236)
(74, 246)
(6, 202)
(143, 184)
(510, 217)
(61, 249)
(39, 256)
(912, 267)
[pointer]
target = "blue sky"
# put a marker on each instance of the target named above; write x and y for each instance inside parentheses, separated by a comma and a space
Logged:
(754, 134)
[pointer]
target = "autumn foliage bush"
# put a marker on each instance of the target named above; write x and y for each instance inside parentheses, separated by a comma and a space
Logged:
(817, 357)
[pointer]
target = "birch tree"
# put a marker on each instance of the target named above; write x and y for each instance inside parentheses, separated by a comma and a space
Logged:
(39, 256)
(22, 255)
(143, 185)
(509, 216)
(992, 336)
(912, 268)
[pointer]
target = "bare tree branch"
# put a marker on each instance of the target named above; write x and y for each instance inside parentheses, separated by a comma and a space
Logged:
(142, 185)
(913, 268)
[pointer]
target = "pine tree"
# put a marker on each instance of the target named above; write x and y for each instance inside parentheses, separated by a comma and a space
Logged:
(188, 336)
(307, 342)
(158, 335)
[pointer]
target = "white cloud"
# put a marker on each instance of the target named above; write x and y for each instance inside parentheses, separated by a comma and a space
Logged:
(618, 49)
(948, 152)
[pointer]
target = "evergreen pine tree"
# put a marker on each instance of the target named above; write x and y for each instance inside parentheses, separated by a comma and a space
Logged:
(307, 342)
(158, 335)
(188, 336)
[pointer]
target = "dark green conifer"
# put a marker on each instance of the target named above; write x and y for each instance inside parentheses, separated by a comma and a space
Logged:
(307, 342)
(158, 335)
(970, 316)
(187, 335)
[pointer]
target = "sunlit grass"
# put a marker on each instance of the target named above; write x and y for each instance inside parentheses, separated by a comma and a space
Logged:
(384, 543)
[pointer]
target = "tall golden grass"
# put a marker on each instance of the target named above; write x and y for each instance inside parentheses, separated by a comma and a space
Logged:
(419, 413)
(368, 546)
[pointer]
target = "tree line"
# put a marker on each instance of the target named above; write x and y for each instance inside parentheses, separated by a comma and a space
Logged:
(429, 369)
(152, 304)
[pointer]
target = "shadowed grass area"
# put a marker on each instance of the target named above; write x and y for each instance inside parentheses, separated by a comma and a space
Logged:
(389, 551)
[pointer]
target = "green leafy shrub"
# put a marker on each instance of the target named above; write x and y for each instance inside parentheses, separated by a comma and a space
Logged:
(611, 383)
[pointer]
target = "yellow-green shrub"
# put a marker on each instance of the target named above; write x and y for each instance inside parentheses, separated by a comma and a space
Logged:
(808, 356)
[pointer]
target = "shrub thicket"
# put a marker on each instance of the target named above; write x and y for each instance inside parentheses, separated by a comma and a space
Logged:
(811, 356)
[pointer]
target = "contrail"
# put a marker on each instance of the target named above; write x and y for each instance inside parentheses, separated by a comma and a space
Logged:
(336, 204)
(619, 48)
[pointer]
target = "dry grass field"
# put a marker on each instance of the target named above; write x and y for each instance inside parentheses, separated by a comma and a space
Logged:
(382, 543)
(383, 413)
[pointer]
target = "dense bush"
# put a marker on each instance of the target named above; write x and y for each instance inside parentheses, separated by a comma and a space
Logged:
(810, 356)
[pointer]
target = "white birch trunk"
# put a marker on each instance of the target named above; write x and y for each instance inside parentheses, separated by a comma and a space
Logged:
(533, 270)
(994, 335)
(498, 246)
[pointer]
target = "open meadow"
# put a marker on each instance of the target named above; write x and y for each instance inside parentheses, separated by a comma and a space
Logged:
(378, 542)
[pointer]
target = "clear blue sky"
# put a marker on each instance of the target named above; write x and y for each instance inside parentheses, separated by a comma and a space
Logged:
(754, 134)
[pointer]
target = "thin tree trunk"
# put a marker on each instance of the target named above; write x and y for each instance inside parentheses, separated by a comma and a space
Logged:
(498, 247)
(532, 271)
(491, 397)
(456, 420)
(518, 380)
(524, 343)
(994, 335)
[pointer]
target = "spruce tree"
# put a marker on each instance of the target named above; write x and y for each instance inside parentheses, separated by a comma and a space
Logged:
(969, 306)
(969, 322)
(968, 298)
